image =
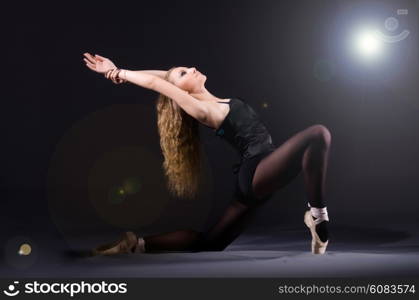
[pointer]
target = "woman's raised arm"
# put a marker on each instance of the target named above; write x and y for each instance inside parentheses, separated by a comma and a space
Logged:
(158, 73)
(192, 106)
(106, 67)
(142, 79)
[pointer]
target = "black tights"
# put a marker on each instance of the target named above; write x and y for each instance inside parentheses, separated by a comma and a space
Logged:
(306, 151)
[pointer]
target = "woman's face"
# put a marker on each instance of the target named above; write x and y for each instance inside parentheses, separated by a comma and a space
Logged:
(188, 79)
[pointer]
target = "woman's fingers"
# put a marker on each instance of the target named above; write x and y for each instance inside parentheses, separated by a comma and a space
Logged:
(101, 58)
(91, 68)
(90, 58)
(89, 63)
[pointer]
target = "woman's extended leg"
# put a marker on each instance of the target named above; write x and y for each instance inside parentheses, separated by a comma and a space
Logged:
(228, 228)
(306, 151)
(230, 225)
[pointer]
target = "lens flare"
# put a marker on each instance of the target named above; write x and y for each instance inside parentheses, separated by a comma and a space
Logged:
(368, 43)
(25, 249)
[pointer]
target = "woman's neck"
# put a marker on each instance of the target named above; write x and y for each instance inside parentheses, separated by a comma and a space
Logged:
(206, 96)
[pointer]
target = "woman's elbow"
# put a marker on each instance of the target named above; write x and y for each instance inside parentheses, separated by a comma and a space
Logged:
(150, 82)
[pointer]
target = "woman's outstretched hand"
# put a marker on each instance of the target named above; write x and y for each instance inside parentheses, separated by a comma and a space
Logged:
(98, 63)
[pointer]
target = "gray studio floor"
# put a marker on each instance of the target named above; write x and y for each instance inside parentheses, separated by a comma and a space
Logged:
(277, 252)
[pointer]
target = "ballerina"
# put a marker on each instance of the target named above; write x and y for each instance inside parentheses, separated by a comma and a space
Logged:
(184, 103)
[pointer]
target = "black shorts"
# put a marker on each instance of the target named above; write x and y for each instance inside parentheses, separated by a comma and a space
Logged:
(244, 191)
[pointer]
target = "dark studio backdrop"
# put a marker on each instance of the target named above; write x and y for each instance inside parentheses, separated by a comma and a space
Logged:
(72, 139)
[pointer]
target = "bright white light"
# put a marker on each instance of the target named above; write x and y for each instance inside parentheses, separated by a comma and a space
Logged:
(368, 43)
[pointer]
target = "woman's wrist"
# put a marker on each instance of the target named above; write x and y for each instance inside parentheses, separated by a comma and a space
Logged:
(122, 75)
(116, 75)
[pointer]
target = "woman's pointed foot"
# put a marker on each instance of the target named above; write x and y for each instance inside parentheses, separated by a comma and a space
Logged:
(128, 243)
(319, 233)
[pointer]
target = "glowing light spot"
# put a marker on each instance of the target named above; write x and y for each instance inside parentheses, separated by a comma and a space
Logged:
(368, 43)
(25, 249)
(116, 195)
(265, 105)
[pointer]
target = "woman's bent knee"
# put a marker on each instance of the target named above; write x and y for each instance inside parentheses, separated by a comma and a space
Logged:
(321, 134)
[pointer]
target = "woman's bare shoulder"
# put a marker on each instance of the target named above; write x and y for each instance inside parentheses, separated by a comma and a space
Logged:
(216, 113)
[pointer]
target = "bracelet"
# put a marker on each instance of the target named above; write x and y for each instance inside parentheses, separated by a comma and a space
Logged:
(107, 74)
(113, 74)
(117, 78)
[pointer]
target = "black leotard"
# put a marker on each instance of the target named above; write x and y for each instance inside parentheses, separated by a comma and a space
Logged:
(244, 131)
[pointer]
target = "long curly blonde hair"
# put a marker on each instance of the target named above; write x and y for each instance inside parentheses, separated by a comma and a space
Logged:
(180, 143)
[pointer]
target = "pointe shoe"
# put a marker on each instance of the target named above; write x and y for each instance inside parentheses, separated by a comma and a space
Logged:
(317, 246)
(128, 243)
